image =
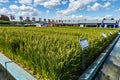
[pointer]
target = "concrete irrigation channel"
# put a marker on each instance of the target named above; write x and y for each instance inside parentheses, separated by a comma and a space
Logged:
(107, 65)
(11, 71)
(110, 70)
(4, 75)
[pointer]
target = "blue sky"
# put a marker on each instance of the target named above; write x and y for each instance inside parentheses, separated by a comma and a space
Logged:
(61, 9)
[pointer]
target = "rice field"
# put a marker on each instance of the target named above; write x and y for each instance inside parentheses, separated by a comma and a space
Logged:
(53, 53)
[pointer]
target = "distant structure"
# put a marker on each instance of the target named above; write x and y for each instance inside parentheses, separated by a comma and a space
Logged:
(93, 23)
(105, 23)
(4, 18)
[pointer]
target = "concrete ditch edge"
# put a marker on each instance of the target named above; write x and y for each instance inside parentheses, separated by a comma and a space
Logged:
(17, 72)
(89, 73)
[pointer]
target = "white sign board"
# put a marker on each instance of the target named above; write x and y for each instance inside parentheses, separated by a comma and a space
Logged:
(81, 25)
(84, 43)
(119, 24)
(38, 25)
(104, 35)
(111, 33)
(105, 26)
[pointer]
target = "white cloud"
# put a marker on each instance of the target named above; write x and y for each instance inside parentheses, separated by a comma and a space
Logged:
(84, 17)
(4, 11)
(74, 5)
(13, 7)
(95, 7)
(109, 0)
(107, 4)
(39, 1)
(64, 2)
(25, 1)
(108, 16)
(79, 17)
(4, 1)
(118, 10)
(47, 3)
(24, 10)
(15, 1)
(47, 12)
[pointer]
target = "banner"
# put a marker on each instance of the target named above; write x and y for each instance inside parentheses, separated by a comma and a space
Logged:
(44, 20)
(48, 20)
(52, 20)
(27, 18)
(12, 17)
(40, 19)
(33, 19)
(20, 18)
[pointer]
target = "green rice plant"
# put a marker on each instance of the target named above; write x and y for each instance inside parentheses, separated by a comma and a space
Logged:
(53, 53)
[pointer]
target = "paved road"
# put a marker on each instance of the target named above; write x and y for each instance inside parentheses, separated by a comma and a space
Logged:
(111, 68)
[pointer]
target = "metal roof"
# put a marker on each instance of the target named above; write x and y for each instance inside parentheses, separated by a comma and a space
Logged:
(110, 21)
(91, 21)
(82, 21)
(88, 21)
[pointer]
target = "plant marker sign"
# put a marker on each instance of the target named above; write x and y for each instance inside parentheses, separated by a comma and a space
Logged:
(104, 35)
(111, 33)
(84, 43)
